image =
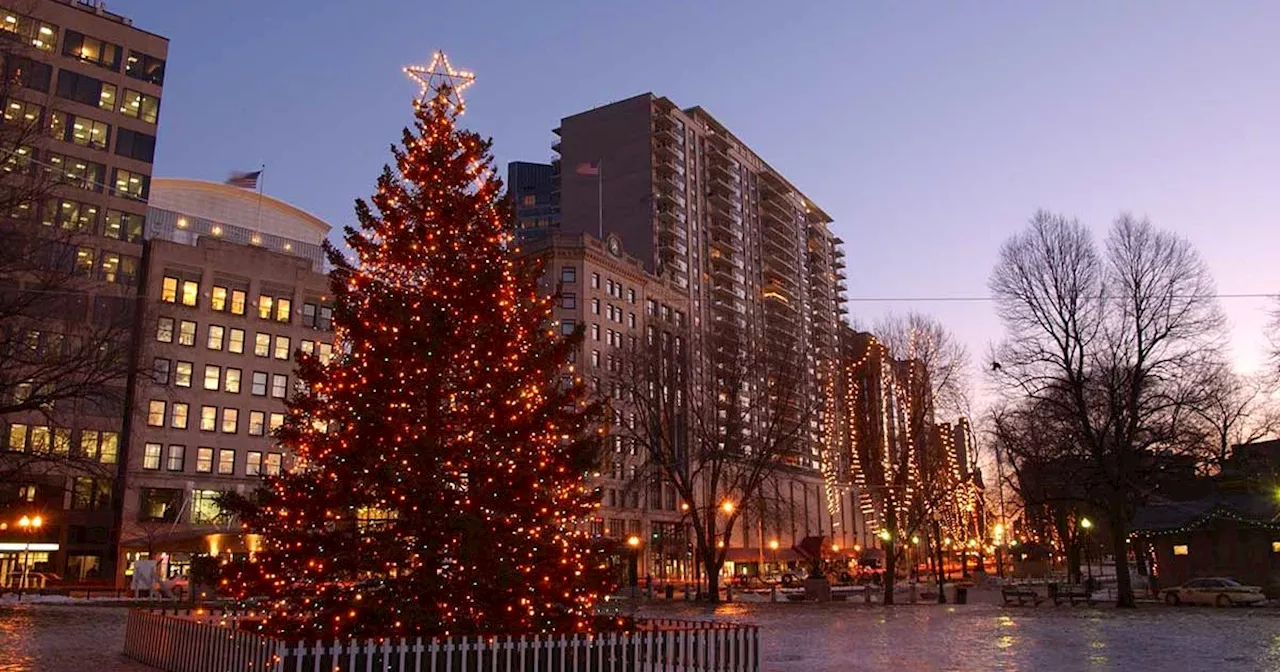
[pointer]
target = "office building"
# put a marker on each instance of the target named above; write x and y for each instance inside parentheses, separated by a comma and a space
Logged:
(82, 99)
(532, 190)
(234, 288)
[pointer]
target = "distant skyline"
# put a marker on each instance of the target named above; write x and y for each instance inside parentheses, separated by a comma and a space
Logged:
(930, 131)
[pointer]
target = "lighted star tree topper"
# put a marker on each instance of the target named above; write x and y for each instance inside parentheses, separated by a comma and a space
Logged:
(446, 452)
(439, 78)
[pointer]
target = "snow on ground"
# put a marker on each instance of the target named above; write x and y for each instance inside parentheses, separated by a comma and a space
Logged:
(844, 637)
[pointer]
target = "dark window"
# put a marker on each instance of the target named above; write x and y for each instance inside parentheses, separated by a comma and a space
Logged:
(85, 89)
(160, 504)
(135, 145)
(29, 74)
(144, 67)
(91, 50)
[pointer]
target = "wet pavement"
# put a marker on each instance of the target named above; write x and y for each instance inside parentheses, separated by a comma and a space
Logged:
(48, 638)
(851, 637)
(820, 638)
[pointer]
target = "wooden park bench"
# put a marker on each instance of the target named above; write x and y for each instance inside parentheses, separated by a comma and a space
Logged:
(1021, 594)
(1073, 594)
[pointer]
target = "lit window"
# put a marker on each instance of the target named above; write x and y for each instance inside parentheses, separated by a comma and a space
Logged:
(110, 448)
(253, 463)
(151, 456)
(237, 302)
(140, 106)
(1180, 549)
(265, 304)
(204, 506)
(1275, 547)
(204, 460)
(128, 184)
(212, 377)
(178, 418)
(17, 437)
(274, 460)
(218, 300)
(262, 345)
(208, 418)
(230, 420)
(187, 333)
(236, 342)
(284, 307)
(595, 281)
(169, 289)
(182, 374)
(257, 423)
(214, 341)
(282, 347)
(156, 412)
(231, 381)
(123, 226)
(39, 439)
(275, 421)
(190, 292)
(226, 461)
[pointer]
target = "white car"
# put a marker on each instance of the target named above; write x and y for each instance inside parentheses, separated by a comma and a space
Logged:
(1220, 592)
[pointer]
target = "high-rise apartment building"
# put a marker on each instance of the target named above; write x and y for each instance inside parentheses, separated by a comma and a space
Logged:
(751, 260)
(81, 108)
(234, 288)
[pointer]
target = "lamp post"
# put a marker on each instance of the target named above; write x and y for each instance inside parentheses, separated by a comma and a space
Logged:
(937, 545)
(633, 563)
(28, 525)
(1087, 525)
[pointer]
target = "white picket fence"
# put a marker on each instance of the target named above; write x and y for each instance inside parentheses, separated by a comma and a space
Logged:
(205, 641)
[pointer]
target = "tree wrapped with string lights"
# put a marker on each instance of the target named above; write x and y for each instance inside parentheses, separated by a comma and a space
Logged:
(443, 453)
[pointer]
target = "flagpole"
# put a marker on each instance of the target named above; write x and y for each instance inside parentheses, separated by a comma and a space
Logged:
(600, 197)
(262, 178)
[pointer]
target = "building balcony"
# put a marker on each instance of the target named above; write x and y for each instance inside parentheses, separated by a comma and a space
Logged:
(730, 243)
(672, 197)
(668, 150)
(724, 200)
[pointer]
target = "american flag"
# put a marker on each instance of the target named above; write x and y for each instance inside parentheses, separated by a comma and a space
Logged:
(589, 168)
(245, 180)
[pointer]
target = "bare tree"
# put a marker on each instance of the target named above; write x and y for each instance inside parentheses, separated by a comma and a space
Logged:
(1101, 339)
(1230, 409)
(66, 317)
(922, 338)
(720, 442)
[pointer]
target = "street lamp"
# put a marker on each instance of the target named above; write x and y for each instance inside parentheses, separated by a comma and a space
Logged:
(1087, 525)
(633, 566)
(727, 506)
(28, 525)
(773, 552)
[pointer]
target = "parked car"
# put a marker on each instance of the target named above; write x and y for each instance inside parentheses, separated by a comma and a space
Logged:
(1218, 591)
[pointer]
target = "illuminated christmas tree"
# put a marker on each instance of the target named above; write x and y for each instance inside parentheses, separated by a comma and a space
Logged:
(444, 449)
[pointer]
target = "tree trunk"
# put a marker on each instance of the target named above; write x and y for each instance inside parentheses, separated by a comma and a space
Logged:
(712, 569)
(890, 570)
(1119, 548)
(1073, 561)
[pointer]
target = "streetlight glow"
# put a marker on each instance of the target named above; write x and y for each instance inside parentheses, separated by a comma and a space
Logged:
(727, 507)
(24, 522)
(37, 522)
(1086, 523)
(773, 545)
(633, 541)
